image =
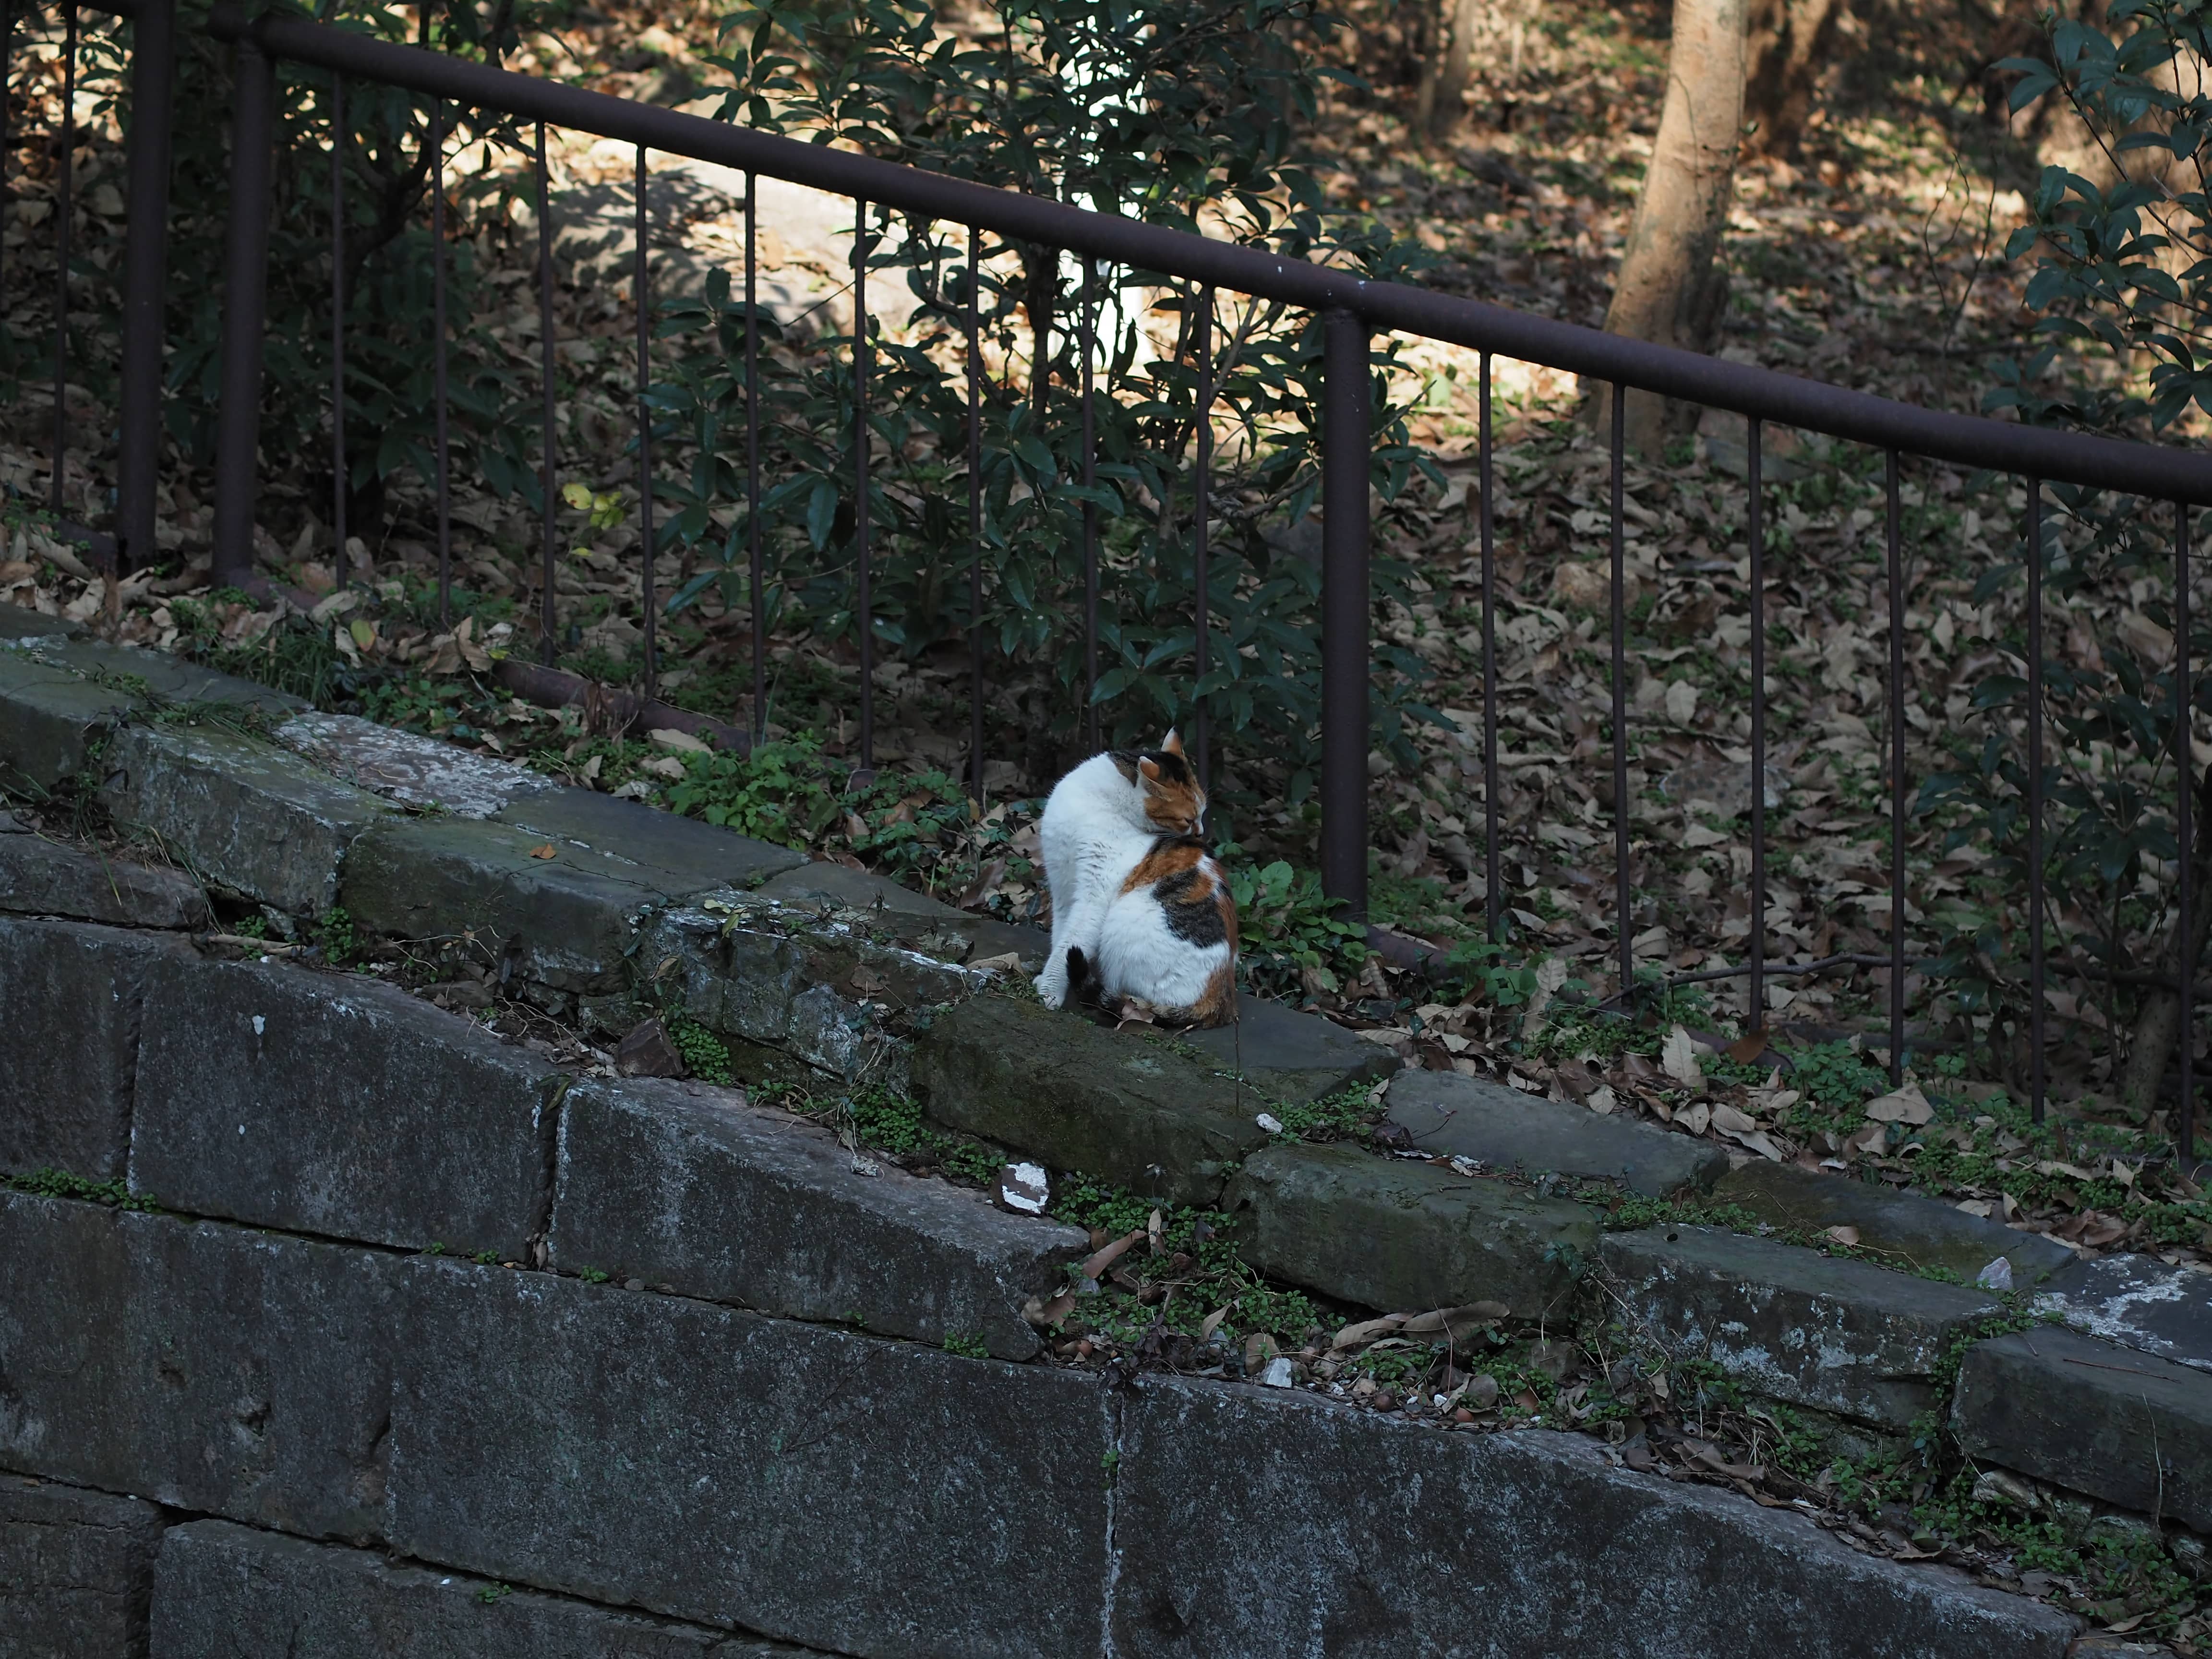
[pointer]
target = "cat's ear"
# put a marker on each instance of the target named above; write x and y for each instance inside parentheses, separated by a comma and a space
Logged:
(1172, 743)
(1149, 768)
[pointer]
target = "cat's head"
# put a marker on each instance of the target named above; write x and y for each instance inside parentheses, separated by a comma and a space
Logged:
(1167, 788)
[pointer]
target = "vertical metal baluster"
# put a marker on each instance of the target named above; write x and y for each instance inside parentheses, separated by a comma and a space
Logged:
(337, 325)
(63, 183)
(754, 562)
(548, 467)
(1494, 903)
(245, 313)
(1755, 534)
(864, 599)
(1620, 878)
(976, 516)
(1088, 344)
(1346, 428)
(1896, 776)
(7, 130)
(2035, 797)
(644, 286)
(145, 273)
(443, 457)
(1201, 506)
(2185, 790)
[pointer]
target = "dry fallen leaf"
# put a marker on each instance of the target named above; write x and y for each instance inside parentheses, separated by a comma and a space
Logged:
(1367, 1330)
(1906, 1105)
(1212, 1323)
(1678, 1058)
(545, 852)
(1746, 1049)
(1842, 1234)
(1731, 1121)
(1101, 1260)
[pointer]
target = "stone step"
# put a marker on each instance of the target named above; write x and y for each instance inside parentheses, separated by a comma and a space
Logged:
(685, 1186)
(1788, 1322)
(1397, 1234)
(240, 813)
(2130, 1428)
(40, 877)
(1126, 1106)
(1920, 1233)
(2138, 1301)
(223, 1591)
(1507, 1129)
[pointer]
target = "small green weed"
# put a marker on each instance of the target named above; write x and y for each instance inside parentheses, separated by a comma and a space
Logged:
(60, 1183)
(594, 1276)
(705, 1056)
(968, 1347)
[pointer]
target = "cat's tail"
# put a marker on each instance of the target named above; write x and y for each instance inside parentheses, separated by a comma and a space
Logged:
(1078, 976)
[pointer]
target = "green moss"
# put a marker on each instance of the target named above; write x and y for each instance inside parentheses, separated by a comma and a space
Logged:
(60, 1183)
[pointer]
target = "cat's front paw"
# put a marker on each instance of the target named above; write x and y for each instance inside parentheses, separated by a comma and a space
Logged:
(1051, 986)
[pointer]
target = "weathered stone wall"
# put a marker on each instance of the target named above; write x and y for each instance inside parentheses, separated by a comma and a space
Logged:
(349, 1328)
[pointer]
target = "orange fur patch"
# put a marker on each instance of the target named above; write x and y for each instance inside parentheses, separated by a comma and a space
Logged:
(1167, 858)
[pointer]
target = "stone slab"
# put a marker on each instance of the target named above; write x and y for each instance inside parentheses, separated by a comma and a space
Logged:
(1296, 1057)
(684, 1185)
(1469, 1117)
(842, 886)
(1790, 1323)
(2138, 1301)
(1402, 1235)
(228, 1592)
(239, 812)
(677, 856)
(329, 1104)
(1920, 1233)
(407, 768)
(1132, 1110)
(207, 1368)
(164, 677)
(2130, 1428)
(927, 924)
(567, 919)
(19, 622)
(75, 1571)
(1250, 1522)
(805, 1485)
(69, 1043)
(40, 877)
(819, 988)
(51, 720)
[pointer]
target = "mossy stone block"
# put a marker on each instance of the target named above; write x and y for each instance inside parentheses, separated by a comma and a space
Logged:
(1129, 1108)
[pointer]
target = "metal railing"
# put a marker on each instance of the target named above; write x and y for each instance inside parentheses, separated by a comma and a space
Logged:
(1352, 310)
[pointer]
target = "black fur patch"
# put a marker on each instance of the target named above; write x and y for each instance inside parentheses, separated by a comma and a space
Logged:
(1078, 974)
(1173, 768)
(1192, 907)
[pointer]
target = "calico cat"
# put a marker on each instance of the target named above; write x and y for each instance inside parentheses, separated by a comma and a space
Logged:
(1138, 908)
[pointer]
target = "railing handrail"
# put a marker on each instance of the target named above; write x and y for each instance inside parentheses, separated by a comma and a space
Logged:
(2156, 471)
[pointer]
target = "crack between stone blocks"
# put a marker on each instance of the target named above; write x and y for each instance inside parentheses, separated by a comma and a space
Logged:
(1111, 1403)
(552, 1119)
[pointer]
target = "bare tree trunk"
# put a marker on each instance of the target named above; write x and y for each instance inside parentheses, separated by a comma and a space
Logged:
(1452, 77)
(2158, 1023)
(1669, 290)
(1789, 43)
(1429, 25)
